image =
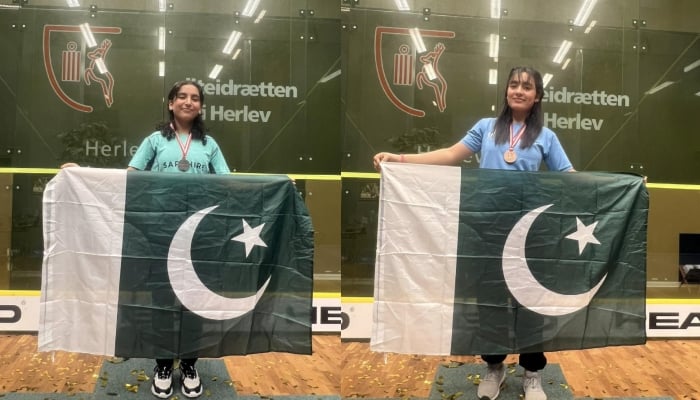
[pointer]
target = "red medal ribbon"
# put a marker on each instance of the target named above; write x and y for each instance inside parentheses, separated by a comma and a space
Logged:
(516, 139)
(186, 147)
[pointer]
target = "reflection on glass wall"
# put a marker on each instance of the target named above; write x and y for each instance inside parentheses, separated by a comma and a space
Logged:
(91, 80)
(316, 87)
(618, 93)
(86, 82)
(622, 81)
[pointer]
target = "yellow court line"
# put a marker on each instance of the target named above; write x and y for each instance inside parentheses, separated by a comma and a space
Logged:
(672, 186)
(326, 295)
(315, 177)
(673, 301)
(360, 175)
(310, 177)
(356, 300)
(10, 293)
(37, 293)
(29, 170)
(323, 177)
(53, 171)
(346, 299)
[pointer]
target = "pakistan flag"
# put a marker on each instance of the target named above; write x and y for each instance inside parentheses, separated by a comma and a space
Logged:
(475, 261)
(167, 265)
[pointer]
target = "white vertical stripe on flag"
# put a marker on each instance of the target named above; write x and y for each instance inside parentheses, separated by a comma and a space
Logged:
(416, 259)
(83, 229)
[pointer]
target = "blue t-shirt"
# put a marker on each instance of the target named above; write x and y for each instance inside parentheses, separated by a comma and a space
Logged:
(481, 139)
(166, 154)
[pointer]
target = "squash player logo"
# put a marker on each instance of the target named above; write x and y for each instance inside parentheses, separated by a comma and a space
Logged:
(407, 58)
(81, 61)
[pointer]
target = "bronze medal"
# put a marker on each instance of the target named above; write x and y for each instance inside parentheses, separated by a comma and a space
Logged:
(183, 165)
(509, 156)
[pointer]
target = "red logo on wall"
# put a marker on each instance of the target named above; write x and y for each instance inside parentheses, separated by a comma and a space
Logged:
(406, 61)
(78, 64)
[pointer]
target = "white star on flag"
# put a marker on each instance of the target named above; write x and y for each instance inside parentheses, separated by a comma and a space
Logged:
(251, 237)
(584, 235)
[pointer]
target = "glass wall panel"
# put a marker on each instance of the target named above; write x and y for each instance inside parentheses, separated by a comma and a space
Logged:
(27, 245)
(87, 101)
(11, 47)
(390, 104)
(273, 106)
(316, 87)
(6, 229)
(321, 197)
(359, 236)
(669, 87)
(267, 100)
(619, 95)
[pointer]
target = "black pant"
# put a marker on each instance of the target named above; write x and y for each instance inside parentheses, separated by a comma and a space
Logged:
(168, 362)
(529, 361)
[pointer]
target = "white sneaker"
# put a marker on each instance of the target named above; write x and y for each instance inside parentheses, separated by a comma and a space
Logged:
(162, 384)
(532, 385)
(490, 385)
(190, 384)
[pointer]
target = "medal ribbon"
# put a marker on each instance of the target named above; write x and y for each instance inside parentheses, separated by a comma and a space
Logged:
(516, 139)
(186, 147)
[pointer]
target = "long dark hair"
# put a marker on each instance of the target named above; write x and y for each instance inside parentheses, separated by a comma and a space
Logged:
(199, 131)
(534, 120)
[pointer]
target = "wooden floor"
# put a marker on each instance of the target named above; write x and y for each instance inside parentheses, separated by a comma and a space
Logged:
(668, 368)
(26, 370)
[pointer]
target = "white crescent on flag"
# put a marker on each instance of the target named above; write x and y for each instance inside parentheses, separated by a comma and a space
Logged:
(187, 286)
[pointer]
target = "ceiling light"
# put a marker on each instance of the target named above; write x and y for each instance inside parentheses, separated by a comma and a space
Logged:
(590, 26)
(495, 8)
(330, 76)
(561, 53)
(232, 40)
(659, 87)
(260, 16)
(161, 68)
(494, 41)
(691, 66)
(87, 35)
(250, 8)
(546, 78)
(566, 64)
(402, 5)
(417, 40)
(493, 76)
(430, 71)
(215, 71)
(161, 38)
(101, 65)
(584, 12)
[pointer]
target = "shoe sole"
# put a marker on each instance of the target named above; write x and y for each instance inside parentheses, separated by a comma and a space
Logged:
(161, 395)
(192, 395)
(500, 387)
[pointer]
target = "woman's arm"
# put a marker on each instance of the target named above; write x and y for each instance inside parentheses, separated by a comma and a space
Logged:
(452, 155)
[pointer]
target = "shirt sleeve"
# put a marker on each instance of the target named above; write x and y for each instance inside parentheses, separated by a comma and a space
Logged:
(144, 154)
(475, 136)
(555, 157)
(217, 162)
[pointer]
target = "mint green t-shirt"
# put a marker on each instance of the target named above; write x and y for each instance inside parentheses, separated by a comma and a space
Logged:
(165, 154)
